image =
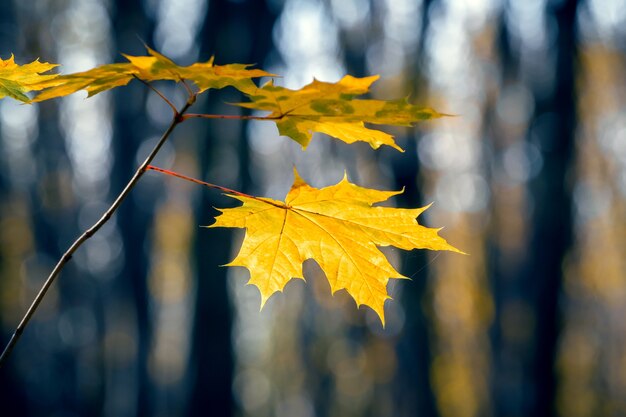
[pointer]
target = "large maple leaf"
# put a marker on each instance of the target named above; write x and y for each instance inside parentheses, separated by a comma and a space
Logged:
(331, 108)
(153, 67)
(338, 227)
(16, 80)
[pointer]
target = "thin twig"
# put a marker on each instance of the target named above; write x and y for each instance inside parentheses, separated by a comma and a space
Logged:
(151, 87)
(216, 187)
(189, 90)
(92, 230)
(227, 116)
(190, 179)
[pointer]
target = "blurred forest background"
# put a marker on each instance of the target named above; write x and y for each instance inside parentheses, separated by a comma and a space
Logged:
(530, 179)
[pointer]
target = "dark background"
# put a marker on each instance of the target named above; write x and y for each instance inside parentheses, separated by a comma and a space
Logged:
(529, 178)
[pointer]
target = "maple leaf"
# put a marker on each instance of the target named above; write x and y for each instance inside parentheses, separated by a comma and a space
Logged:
(330, 108)
(15, 80)
(153, 67)
(338, 227)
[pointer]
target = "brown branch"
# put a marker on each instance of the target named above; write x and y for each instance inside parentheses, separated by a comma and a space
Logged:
(92, 230)
(216, 187)
(189, 90)
(228, 116)
(151, 87)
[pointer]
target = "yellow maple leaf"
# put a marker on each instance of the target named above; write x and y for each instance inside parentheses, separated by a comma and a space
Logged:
(153, 67)
(338, 227)
(330, 108)
(16, 80)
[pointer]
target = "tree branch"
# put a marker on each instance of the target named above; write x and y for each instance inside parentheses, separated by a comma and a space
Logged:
(177, 119)
(151, 87)
(227, 116)
(215, 186)
(189, 90)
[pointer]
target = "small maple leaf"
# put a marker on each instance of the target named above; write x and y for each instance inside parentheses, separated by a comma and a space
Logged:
(15, 80)
(330, 108)
(338, 227)
(153, 67)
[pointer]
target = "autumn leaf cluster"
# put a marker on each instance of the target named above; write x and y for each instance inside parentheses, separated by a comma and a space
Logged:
(338, 226)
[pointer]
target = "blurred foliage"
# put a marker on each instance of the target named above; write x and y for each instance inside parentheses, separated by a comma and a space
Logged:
(530, 179)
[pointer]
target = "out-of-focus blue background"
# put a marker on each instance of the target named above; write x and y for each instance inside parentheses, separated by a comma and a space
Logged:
(530, 179)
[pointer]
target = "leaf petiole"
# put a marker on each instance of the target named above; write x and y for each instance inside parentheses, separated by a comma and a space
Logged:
(227, 116)
(151, 87)
(214, 186)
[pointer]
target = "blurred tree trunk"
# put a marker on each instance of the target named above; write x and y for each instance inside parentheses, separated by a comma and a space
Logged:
(8, 28)
(12, 391)
(509, 280)
(53, 221)
(415, 363)
(527, 285)
(134, 217)
(412, 390)
(233, 32)
(552, 228)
